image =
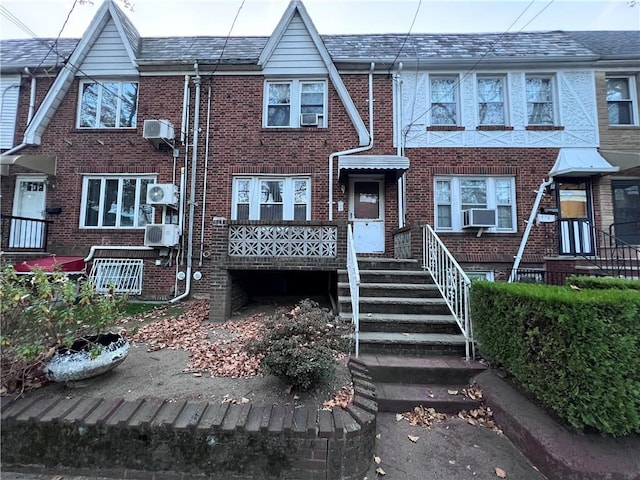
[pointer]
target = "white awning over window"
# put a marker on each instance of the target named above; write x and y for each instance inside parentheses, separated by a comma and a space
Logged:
(370, 163)
(577, 162)
(39, 163)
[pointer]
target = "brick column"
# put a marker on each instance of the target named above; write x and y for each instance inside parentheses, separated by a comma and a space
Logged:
(220, 306)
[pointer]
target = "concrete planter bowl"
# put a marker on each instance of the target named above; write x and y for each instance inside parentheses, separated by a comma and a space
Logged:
(76, 363)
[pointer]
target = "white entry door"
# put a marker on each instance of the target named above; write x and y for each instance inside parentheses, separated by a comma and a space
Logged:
(29, 203)
(366, 212)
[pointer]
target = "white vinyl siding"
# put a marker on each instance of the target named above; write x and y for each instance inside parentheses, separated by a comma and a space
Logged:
(271, 198)
(108, 55)
(9, 90)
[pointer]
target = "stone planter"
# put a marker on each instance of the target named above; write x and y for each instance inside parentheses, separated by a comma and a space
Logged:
(75, 363)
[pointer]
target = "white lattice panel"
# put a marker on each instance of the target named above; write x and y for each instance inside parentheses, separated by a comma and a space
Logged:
(282, 241)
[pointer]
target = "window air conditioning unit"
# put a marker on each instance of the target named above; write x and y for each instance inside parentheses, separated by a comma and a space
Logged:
(157, 131)
(310, 119)
(162, 194)
(479, 217)
(161, 235)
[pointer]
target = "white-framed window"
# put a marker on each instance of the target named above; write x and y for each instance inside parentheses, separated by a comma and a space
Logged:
(271, 198)
(540, 95)
(117, 275)
(295, 103)
(108, 104)
(443, 94)
(622, 100)
(486, 275)
(455, 194)
(115, 201)
(491, 100)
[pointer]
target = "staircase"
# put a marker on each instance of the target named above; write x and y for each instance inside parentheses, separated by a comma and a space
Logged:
(409, 341)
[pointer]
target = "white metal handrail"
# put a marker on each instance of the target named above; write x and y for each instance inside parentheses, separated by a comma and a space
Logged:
(453, 283)
(354, 287)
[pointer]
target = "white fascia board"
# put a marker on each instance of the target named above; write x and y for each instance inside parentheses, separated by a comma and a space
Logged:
(334, 76)
(125, 40)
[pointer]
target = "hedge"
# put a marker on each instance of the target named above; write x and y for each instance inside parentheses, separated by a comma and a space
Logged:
(583, 281)
(576, 351)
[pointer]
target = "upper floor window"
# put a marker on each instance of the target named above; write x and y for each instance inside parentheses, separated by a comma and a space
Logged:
(491, 101)
(114, 201)
(444, 100)
(108, 104)
(539, 92)
(295, 103)
(271, 198)
(620, 101)
(453, 195)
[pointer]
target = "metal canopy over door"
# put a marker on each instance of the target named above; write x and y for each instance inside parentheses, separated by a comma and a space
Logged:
(574, 217)
(366, 211)
(28, 202)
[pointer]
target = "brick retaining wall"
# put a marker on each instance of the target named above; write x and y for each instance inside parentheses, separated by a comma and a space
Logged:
(152, 438)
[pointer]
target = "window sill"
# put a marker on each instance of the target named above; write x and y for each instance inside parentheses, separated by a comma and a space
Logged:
(491, 128)
(543, 128)
(102, 130)
(444, 128)
(474, 231)
(294, 129)
(624, 127)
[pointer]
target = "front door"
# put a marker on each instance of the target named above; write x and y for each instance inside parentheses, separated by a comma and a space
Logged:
(574, 217)
(366, 212)
(29, 203)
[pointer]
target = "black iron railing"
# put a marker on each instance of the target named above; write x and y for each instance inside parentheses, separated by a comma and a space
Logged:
(615, 257)
(628, 232)
(22, 233)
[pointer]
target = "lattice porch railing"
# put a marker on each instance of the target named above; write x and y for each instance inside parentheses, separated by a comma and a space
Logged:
(283, 241)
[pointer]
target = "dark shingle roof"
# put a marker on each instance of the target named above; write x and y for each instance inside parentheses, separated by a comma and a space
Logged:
(384, 47)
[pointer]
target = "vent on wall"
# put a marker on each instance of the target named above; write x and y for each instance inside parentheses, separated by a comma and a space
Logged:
(309, 119)
(479, 217)
(161, 235)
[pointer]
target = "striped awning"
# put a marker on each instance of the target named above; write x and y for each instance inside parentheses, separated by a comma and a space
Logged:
(371, 164)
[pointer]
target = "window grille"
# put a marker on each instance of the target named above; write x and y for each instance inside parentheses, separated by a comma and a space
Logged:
(120, 275)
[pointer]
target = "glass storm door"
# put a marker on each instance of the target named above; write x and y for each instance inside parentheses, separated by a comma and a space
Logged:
(574, 217)
(366, 212)
(28, 202)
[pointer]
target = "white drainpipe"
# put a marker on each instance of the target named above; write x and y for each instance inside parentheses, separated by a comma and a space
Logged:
(204, 181)
(353, 150)
(192, 193)
(94, 248)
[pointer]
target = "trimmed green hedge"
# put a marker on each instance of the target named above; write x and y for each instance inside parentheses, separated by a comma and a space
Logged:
(602, 282)
(577, 352)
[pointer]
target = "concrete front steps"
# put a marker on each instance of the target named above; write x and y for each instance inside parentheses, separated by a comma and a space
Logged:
(410, 343)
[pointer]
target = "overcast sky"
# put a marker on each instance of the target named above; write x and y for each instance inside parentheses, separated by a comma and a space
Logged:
(259, 17)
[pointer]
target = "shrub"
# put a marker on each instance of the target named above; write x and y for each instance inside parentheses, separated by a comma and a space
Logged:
(42, 311)
(583, 281)
(300, 345)
(575, 351)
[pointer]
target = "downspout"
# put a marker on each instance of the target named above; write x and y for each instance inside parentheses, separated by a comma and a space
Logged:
(192, 193)
(527, 230)
(32, 107)
(92, 250)
(206, 167)
(184, 126)
(353, 150)
(401, 184)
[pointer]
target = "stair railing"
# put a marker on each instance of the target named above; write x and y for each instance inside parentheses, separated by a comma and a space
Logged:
(453, 283)
(354, 287)
(615, 257)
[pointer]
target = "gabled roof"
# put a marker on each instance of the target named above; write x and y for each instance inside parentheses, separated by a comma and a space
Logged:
(108, 10)
(296, 7)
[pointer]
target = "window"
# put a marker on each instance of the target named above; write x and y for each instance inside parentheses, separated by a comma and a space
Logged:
(455, 194)
(108, 104)
(444, 100)
(486, 275)
(620, 101)
(117, 275)
(491, 106)
(115, 202)
(539, 100)
(286, 101)
(271, 198)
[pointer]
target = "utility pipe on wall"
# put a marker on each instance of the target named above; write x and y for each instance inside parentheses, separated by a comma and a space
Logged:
(206, 171)
(402, 181)
(32, 106)
(353, 150)
(92, 250)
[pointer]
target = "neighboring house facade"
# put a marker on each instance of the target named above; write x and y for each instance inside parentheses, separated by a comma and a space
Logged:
(297, 136)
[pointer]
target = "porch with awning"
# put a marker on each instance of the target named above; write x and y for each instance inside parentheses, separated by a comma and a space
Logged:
(580, 162)
(394, 165)
(39, 163)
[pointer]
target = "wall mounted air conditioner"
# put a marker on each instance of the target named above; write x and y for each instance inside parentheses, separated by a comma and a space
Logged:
(309, 119)
(161, 235)
(479, 217)
(162, 194)
(158, 131)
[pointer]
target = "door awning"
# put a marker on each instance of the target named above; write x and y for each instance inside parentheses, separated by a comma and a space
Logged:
(575, 162)
(621, 159)
(39, 163)
(371, 163)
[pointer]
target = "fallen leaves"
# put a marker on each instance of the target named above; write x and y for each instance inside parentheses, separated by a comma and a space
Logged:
(501, 473)
(380, 471)
(377, 460)
(422, 417)
(342, 398)
(473, 392)
(413, 438)
(481, 416)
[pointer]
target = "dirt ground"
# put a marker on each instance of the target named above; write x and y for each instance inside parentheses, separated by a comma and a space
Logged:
(165, 373)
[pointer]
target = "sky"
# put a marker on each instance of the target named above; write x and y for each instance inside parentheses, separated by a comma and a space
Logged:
(154, 18)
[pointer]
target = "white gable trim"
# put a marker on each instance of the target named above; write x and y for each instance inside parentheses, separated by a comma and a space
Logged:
(34, 132)
(336, 80)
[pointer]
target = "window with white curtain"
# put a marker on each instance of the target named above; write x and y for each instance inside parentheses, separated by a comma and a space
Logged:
(443, 100)
(455, 194)
(271, 198)
(491, 100)
(287, 100)
(539, 93)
